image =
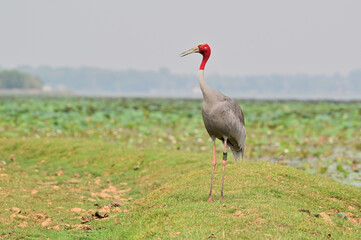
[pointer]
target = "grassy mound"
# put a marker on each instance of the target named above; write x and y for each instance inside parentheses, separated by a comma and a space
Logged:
(263, 201)
(66, 189)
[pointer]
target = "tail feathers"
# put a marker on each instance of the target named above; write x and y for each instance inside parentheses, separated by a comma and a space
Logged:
(237, 153)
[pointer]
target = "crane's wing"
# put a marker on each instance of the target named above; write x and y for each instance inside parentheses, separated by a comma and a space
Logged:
(234, 117)
(223, 118)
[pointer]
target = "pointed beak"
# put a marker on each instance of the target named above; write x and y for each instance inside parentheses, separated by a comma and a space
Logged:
(193, 50)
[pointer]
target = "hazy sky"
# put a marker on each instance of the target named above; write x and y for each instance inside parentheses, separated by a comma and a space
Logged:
(246, 37)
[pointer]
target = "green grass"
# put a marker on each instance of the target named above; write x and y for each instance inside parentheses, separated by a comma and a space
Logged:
(163, 194)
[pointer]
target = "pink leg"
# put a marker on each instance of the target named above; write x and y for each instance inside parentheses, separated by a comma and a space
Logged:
(224, 165)
(214, 166)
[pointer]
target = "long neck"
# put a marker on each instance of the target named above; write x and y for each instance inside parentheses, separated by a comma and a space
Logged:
(206, 56)
(208, 93)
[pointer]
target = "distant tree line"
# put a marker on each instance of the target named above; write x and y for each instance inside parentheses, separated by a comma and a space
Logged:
(164, 83)
(12, 79)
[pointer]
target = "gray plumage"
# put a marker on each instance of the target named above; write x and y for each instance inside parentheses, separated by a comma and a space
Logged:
(223, 118)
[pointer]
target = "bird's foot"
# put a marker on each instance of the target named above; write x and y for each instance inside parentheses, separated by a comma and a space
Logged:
(222, 199)
(210, 199)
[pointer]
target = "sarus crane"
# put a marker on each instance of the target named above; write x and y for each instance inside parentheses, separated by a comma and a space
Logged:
(222, 117)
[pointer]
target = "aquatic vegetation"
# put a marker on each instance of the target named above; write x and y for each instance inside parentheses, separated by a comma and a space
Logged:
(319, 137)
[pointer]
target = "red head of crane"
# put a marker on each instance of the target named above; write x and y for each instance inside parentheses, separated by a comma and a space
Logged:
(203, 49)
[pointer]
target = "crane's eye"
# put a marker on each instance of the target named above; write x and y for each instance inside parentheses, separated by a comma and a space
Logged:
(202, 48)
